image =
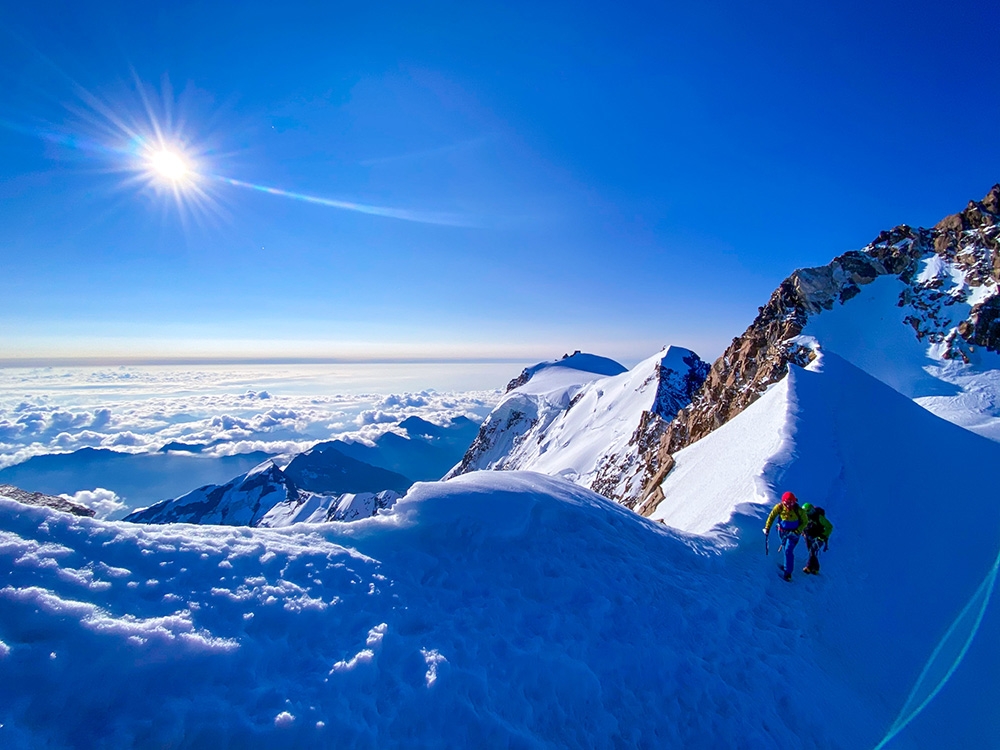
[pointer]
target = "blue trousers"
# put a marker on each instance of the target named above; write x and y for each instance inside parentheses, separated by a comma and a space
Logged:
(791, 539)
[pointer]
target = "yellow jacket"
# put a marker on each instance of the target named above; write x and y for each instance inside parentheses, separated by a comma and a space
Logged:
(792, 518)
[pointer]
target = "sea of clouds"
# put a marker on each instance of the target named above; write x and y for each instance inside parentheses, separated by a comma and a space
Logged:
(233, 409)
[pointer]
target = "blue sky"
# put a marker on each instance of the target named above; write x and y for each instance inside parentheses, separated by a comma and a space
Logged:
(571, 176)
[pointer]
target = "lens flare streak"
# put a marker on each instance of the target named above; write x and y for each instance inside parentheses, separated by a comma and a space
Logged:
(423, 217)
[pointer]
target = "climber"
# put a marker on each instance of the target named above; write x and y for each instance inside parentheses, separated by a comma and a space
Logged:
(792, 521)
(817, 532)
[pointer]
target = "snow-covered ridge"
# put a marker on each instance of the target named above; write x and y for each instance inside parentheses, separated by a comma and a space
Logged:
(504, 608)
(242, 501)
(590, 428)
(265, 496)
(588, 363)
(937, 287)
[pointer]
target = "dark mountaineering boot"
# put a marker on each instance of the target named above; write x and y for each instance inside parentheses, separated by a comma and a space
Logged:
(785, 576)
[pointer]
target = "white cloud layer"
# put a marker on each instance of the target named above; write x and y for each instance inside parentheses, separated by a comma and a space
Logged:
(103, 502)
(224, 410)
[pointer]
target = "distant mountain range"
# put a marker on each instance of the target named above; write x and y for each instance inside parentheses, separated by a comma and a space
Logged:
(137, 478)
(427, 452)
(266, 496)
(331, 481)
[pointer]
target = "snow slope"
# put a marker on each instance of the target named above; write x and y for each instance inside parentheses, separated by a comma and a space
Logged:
(499, 609)
(517, 609)
(309, 507)
(584, 428)
(914, 555)
(242, 501)
(906, 334)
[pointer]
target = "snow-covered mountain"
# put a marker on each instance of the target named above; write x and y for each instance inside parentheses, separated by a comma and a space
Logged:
(916, 308)
(325, 483)
(311, 507)
(265, 496)
(243, 501)
(587, 419)
(514, 608)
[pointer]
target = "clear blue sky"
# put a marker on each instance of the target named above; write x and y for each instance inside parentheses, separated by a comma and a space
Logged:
(610, 177)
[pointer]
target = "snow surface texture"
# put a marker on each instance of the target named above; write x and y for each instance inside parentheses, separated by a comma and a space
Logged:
(516, 609)
(579, 424)
(913, 559)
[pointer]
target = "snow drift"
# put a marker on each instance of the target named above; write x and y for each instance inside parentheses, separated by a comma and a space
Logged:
(516, 609)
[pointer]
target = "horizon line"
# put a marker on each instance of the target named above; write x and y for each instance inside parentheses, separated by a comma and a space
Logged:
(110, 361)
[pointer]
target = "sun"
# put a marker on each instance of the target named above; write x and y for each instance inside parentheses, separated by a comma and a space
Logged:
(169, 165)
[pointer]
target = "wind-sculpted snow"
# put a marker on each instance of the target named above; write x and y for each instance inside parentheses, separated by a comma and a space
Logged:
(518, 609)
(498, 609)
(914, 550)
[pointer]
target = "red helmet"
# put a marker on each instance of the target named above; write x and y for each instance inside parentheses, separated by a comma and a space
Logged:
(789, 498)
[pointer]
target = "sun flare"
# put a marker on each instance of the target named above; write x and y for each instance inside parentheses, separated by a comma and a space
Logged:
(169, 165)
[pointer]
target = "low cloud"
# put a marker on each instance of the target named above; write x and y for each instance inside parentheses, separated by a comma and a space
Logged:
(138, 409)
(129, 439)
(374, 416)
(406, 399)
(103, 502)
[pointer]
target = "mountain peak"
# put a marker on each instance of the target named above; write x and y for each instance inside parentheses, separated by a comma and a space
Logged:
(992, 200)
(578, 360)
(948, 280)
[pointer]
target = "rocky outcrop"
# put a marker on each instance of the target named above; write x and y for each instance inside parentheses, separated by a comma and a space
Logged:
(49, 501)
(968, 242)
(623, 475)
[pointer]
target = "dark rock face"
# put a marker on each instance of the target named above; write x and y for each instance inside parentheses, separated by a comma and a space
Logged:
(325, 469)
(49, 501)
(674, 391)
(761, 355)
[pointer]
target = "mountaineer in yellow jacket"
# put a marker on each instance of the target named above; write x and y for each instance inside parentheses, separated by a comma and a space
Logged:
(792, 522)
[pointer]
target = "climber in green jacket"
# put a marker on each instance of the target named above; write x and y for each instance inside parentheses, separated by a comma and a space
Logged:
(817, 531)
